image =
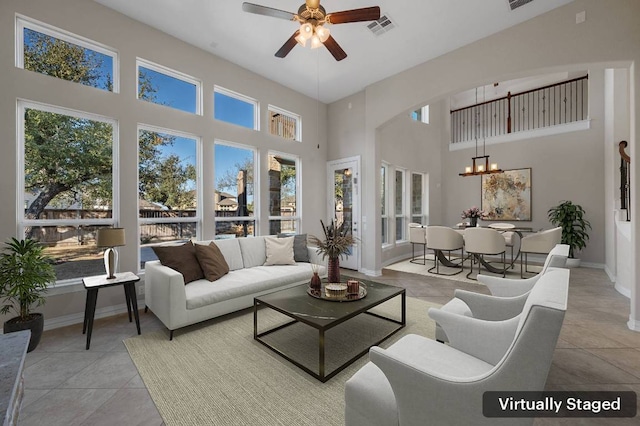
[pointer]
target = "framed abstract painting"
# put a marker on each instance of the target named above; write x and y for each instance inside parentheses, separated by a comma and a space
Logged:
(507, 195)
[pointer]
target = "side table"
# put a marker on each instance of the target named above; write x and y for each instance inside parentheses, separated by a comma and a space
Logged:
(93, 284)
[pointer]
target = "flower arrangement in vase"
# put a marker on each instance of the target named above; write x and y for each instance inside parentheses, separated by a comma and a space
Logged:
(336, 243)
(473, 214)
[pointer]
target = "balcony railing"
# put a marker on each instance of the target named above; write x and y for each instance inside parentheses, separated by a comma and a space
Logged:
(552, 105)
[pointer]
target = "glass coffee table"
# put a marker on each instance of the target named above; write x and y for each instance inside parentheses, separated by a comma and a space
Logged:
(324, 315)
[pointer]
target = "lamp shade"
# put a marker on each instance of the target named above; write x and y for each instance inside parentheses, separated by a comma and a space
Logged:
(110, 237)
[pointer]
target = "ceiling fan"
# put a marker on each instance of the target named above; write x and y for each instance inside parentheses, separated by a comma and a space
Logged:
(312, 18)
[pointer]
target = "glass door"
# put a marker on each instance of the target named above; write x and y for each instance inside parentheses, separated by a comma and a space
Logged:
(344, 202)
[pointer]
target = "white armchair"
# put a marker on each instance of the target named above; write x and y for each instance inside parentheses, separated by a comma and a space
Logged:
(541, 243)
(500, 288)
(418, 381)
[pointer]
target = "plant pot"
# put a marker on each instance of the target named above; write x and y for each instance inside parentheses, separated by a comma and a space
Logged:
(573, 262)
(333, 270)
(35, 323)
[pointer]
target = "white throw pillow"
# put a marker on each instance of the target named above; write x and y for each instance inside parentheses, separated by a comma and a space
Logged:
(279, 251)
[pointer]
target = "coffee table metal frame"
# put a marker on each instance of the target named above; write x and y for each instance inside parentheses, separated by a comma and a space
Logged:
(322, 328)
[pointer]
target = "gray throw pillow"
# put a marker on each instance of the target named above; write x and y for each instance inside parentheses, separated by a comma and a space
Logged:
(300, 251)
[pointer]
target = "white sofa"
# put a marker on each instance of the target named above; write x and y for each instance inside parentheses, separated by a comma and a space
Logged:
(178, 305)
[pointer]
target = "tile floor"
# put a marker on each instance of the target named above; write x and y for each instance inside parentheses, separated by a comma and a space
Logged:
(67, 385)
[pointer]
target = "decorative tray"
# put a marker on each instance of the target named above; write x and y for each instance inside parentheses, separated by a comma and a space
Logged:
(338, 297)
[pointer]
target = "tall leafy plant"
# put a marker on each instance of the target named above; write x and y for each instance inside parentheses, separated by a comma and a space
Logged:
(570, 217)
(25, 272)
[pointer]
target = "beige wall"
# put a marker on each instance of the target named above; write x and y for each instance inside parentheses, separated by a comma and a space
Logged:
(132, 39)
(551, 42)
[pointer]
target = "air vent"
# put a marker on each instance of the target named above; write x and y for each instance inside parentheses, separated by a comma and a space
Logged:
(381, 26)
(514, 4)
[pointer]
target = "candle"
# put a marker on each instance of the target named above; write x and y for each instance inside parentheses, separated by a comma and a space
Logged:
(480, 168)
(494, 166)
(467, 169)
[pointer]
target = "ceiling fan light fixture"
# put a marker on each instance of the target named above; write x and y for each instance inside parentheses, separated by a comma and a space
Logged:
(302, 41)
(322, 33)
(315, 42)
(306, 31)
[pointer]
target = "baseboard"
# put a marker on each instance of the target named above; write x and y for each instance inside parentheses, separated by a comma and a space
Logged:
(611, 275)
(371, 272)
(593, 265)
(622, 290)
(633, 324)
(78, 318)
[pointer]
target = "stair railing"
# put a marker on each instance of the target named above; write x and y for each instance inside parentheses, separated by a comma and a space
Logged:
(625, 179)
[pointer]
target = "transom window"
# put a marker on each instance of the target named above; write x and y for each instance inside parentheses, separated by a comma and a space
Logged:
(168, 188)
(235, 173)
(284, 124)
(235, 108)
(283, 177)
(66, 184)
(164, 86)
(51, 51)
(421, 114)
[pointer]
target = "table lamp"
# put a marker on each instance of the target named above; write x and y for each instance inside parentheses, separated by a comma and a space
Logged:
(110, 238)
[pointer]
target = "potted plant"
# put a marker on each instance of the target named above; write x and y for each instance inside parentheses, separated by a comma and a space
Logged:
(570, 217)
(336, 243)
(25, 272)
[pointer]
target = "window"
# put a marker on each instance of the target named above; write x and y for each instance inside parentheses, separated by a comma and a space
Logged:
(421, 114)
(383, 204)
(234, 196)
(167, 187)
(417, 198)
(284, 124)
(164, 86)
(52, 51)
(235, 108)
(399, 205)
(66, 184)
(283, 193)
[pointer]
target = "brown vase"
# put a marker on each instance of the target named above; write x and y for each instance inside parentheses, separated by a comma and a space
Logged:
(333, 270)
(315, 283)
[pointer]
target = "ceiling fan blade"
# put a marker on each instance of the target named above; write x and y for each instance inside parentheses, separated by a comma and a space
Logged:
(288, 45)
(267, 11)
(355, 15)
(332, 45)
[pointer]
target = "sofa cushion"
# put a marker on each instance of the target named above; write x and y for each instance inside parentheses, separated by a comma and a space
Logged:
(300, 252)
(246, 281)
(182, 258)
(253, 251)
(279, 251)
(230, 250)
(211, 261)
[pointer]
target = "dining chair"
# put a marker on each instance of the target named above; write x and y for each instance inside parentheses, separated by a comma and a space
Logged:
(508, 235)
(417, 235)
(539, 243)
(441, 239)
(479, 242)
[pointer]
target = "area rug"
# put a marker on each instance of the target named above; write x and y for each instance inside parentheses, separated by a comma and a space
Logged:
(415, 268)
(214, 373)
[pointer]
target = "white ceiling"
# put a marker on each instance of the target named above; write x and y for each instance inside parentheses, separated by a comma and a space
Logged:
(424, 30)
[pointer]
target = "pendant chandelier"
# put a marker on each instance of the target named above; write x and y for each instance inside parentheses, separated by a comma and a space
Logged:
(480, 164)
